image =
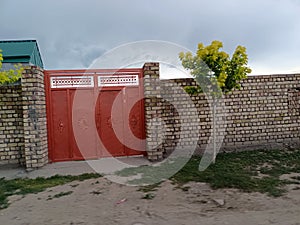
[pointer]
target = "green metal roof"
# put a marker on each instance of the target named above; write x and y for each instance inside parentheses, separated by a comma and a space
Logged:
(21, 51)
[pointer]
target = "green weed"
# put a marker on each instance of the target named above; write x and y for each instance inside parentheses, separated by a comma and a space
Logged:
(26, 186)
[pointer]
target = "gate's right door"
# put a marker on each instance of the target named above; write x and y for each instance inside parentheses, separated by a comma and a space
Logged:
(134, 121)
(112, 142)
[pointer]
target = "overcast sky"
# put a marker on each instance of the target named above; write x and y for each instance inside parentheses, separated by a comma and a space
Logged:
(72, 33)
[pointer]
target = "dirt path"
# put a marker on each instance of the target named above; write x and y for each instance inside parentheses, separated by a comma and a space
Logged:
(96, 202)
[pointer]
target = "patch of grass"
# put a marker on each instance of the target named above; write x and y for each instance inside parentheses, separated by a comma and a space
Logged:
(61, 194)
(232, 170)
(153, 174)
(26, 186)
(238, 170)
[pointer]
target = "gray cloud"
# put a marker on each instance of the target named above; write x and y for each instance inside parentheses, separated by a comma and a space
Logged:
(71, 33)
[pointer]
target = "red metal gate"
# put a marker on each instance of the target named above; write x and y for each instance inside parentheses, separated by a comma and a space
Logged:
(85, 106)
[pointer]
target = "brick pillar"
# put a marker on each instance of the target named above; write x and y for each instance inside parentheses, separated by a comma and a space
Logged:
(34, 117)
(152, 91)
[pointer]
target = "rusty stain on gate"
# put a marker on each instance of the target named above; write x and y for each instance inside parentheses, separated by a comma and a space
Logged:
(109, 89)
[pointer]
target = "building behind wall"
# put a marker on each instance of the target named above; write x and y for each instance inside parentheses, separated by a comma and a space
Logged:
(23, 132)
(25, 52)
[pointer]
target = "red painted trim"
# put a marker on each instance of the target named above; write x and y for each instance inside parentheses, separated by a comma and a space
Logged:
(49, 115)
(69, 107)
(141, 76)
(92, 71)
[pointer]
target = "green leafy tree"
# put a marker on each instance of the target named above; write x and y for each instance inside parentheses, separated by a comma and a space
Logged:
(212, 66)
(10, 76)
(216, 72)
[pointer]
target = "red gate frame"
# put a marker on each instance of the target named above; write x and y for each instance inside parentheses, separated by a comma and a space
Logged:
(90, 72)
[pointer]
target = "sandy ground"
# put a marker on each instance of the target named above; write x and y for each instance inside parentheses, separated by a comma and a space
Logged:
(99, 201)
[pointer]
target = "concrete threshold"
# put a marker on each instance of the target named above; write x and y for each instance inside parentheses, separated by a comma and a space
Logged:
(105, 166)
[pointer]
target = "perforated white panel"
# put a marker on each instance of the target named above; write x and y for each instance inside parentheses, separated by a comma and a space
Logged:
(72, 81)
(121, 80)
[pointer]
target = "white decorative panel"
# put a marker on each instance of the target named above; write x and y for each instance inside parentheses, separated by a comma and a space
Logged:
(72, 81)
(120, 80)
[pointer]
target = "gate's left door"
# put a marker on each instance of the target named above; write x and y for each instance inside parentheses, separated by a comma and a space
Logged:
(61, 146)
(61, 138)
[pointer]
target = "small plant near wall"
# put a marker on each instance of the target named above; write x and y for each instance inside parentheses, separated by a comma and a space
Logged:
(216, 73)
(12, 75)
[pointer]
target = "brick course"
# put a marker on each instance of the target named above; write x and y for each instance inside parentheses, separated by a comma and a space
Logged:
(263, 114)
(11, 125)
